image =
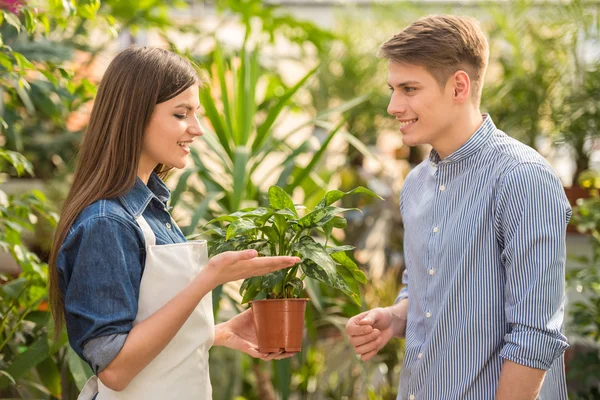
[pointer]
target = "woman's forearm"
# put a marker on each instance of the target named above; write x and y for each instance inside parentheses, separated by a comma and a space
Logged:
(148, 338)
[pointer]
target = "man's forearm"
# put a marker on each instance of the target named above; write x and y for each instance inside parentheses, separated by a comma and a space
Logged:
(518, 382)
(399, 314)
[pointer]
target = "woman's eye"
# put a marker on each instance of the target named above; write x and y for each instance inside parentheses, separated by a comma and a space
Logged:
(180, 116)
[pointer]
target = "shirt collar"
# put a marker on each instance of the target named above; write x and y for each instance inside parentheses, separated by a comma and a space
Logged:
(137, 199)
(472, 146)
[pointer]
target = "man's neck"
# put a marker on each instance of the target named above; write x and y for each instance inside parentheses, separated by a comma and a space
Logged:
(459, 133)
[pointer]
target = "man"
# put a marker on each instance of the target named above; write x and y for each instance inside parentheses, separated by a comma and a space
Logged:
(485, 220)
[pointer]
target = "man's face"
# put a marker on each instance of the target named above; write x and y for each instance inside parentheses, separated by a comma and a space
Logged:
(422, 107)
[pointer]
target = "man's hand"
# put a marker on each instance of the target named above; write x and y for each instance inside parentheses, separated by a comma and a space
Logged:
(239, 333)
(370, 331)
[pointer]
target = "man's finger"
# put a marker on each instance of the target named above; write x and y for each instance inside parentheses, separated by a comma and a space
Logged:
(358, 330)
(368, 347)
(359, 340)
(369, 355)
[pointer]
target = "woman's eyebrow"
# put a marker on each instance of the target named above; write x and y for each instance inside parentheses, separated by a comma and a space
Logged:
(187, 106)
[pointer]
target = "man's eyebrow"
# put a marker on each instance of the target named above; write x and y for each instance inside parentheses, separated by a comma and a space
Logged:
(187, 106)
(401, 85)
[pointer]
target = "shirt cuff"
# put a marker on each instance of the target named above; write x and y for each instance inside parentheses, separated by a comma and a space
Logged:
(533, 348)
(402, 295)
(100, 351)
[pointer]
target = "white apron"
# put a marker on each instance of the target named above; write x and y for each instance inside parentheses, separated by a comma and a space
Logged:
(180, 371)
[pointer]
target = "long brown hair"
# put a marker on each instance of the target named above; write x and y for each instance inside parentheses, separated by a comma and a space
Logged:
(136, 80)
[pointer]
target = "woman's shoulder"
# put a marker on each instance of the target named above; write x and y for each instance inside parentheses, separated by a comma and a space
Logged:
(105, 214)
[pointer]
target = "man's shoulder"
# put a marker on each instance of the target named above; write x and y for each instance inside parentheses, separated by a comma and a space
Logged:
(509, 153)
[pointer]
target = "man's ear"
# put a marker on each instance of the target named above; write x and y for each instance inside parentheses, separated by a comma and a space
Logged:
(462, 86)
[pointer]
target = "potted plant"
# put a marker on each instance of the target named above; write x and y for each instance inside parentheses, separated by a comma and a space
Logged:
(284, 228)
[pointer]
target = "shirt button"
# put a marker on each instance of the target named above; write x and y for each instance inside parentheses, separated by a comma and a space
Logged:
(412, 397)
(431, 271)
(420, 355)
(442, 188)
(168, 225)
(428, 314)
(435, 229)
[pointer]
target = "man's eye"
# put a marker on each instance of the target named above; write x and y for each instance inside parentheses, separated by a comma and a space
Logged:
(180, 116)
(409, 89)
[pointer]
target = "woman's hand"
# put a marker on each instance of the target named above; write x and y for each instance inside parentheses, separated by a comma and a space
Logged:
(239, 333)
(235, 265)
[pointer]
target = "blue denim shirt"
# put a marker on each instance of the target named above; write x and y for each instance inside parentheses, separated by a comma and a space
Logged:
(100, 266)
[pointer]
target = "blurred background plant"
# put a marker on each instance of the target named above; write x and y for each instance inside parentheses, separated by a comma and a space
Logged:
(288, 102)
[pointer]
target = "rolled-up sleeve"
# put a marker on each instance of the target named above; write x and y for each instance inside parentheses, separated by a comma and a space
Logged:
(100, 270)
(532, 216)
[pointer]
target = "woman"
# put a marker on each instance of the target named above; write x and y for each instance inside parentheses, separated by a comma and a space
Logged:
(135, 295)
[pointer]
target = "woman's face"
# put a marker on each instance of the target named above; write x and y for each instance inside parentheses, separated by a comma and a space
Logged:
(172, 128)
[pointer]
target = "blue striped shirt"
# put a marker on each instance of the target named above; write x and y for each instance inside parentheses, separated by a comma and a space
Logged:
(485, 262)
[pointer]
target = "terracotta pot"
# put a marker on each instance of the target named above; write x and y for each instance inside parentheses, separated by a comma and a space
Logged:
(279, 324)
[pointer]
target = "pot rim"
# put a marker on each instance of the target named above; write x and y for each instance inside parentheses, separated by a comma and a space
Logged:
(277, 300)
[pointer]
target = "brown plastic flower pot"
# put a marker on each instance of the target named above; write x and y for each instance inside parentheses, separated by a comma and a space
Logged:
(279, 324)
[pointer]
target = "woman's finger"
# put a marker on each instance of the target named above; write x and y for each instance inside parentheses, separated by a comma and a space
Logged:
(268, 264)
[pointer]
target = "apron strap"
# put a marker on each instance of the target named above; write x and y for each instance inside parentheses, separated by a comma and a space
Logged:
(90, 389)
(148, 234)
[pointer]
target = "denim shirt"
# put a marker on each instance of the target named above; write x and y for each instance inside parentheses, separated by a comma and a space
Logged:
(100, 266)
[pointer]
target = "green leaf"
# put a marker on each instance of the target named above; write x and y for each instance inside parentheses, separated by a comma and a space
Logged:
(79, 369)
(321, 216)
(240, 177)
(335, 195)
(8, 376)
(239, 227)
(280, 200)
(50, 376)
(14, 288)
(271, 233)
(294, 288)
(181, 186)
(275, 111)
(306, 171)
(337, 249)
(250, 290)
(350, 265)
(311, 250)
(271, 280)
(13, 20)
(329, 278)
(224, 218)
(22, 62)
(35, 354)
(283, 377)
(348, 278)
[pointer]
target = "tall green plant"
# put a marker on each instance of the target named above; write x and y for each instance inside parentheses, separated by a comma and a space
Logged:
(241, 136)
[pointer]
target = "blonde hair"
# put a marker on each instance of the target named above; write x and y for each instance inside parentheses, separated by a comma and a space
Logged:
(442, 44)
